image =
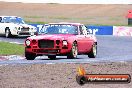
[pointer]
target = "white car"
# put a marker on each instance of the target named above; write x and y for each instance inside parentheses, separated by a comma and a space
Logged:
(15, 26)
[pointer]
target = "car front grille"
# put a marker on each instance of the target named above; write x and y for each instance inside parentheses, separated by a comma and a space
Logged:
(24, 33)
(46, 43)
(24, 29)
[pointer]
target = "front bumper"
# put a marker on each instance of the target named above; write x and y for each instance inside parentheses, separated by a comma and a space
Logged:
(26, 33)
(48, 51)
(48, 47)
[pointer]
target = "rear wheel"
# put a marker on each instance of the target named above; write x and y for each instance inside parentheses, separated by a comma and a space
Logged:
(30, 56)
(52, 57)
(7, 33)
(93, 52)
(74, 51)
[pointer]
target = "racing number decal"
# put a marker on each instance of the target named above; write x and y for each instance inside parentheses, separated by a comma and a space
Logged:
(41, 28)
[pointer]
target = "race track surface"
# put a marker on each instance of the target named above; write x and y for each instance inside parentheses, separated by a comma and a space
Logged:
(110, 49)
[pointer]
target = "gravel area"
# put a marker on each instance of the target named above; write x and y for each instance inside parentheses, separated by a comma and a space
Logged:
(59, 75)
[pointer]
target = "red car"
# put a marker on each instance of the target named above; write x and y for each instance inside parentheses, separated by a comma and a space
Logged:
(61, 39)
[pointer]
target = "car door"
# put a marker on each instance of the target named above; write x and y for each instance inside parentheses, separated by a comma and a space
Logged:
(88, 39)
(81, 40)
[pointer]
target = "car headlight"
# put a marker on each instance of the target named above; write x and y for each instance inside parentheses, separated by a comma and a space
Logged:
(17, 28)
(31, 28)
(27, 42)
(65, 43)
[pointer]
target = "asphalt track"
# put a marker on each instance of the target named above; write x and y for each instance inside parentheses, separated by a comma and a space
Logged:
(110, 49)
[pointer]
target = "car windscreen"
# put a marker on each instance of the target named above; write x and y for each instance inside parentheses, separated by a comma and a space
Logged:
(16, 20)
(60, 29)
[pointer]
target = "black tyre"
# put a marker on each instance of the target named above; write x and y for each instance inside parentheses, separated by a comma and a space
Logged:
(93, 52)
(74, 51)
(52, 57)
(7, 33)
(30, 56)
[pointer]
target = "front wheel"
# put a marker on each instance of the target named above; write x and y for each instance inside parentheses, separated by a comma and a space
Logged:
(7, 33)
(74, 51)
(93, 52)
(30, 56)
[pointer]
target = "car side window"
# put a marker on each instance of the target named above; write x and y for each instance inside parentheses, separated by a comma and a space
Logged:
(7, 20)
(84, 30)
(2, 20)
(81, 30)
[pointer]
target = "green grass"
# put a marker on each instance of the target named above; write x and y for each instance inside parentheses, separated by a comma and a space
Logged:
(63, 18)
(11, 49)
(33, 16)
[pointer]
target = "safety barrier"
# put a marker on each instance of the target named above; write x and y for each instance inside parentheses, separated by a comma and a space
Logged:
(98, 30)
(122, 31)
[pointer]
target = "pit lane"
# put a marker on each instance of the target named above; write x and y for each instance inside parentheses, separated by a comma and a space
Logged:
(110, 49)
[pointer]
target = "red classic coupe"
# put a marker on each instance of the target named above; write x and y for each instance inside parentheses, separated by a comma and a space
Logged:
(61, 39)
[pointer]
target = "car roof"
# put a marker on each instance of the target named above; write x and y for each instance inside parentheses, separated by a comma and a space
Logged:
(67, 23)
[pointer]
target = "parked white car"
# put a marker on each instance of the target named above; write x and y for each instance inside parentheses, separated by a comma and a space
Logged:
(15, 26)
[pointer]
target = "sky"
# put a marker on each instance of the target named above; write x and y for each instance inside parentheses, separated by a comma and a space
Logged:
(74, 1)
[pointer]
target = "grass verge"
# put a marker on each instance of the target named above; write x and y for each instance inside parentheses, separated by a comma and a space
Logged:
(30, 22)
(11, 49)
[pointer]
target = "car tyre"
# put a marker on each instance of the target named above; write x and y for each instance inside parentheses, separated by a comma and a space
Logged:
(30, 56)
(74, 51)
(52, 57)
(7, 33)
(93, 52)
